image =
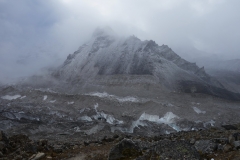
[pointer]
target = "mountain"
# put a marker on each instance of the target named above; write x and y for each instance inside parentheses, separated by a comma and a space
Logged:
(227, 72)
(106, 58)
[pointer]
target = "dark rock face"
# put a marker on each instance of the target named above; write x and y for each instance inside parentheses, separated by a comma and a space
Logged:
(196, 87)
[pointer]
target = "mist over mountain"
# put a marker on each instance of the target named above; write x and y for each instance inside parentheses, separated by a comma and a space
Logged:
(117, 86)
(156, 80)
(106, 56)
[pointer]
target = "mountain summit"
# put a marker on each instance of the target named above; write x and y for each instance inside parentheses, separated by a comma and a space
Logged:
(106, 56)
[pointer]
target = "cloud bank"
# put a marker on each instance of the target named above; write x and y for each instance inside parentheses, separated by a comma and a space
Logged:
(36, 34)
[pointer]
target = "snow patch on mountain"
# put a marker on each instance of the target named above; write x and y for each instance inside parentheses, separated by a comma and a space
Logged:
(8, 97)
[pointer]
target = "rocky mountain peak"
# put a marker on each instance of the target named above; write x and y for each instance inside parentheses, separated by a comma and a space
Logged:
(108, 56)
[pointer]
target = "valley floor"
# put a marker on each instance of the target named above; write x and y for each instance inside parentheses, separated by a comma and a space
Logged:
(95, 125)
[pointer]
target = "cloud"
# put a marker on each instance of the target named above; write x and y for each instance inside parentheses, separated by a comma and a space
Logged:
(35, 34)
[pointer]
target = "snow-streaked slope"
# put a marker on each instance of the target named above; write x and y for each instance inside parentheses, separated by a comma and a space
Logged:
(106, 54)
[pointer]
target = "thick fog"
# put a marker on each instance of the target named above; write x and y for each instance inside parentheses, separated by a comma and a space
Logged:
(41, 33)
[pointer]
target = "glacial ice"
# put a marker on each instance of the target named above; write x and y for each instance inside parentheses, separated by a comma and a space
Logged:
(109, 118)
(70, 102)
(52, 101)
(86, 118)
(23, 97)
(169, 119)
(8, 97)
(211, 122)
(198, 111)
(44, 97)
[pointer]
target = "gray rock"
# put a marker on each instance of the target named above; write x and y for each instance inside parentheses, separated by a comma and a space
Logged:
(1, 135)
(229, 127)
(220, 147)
(57, 148)
(192, 141)
(164, 149)
(236, 136)
(2, 145)
(231, 139)
(205, 146)
(39, 156)
(125, 149)
(227, 148)
(236, 144)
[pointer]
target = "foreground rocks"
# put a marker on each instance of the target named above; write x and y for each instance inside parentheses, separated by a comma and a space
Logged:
(215, 143)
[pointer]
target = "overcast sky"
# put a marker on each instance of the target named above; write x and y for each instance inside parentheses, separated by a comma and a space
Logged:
(38, 33)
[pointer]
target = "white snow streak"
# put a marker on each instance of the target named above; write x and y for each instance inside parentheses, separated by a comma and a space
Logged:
(7, 97)
(44, 97)
(52, 101)
(198, 111)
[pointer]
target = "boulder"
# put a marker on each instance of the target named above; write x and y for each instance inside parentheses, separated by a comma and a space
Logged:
(205, 146)
(236, 144)
(124, 149)
(229, 127)
(37, 156)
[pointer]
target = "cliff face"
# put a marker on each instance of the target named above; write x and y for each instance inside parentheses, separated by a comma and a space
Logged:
(107, 55)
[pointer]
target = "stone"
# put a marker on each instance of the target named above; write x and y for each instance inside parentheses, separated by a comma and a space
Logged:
(57, 148)
(221, 140)
(236, 144)
(48, 157)
(115, 136)
(205, 146)
(231, 139)
(229, 127)
(220, 147)
(75, 147)
(86, 143)
(2, 145)
(39, 156)
(124, 149)
(18, 157)
(1, 154)
(43, 142)
(163, 149)
(192, 141)
(236, 136)
(1, 135)
(227, 148)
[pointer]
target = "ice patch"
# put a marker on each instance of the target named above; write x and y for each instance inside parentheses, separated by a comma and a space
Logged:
(23, 97)
(113, 97)
(169, 119)
(198, 111)
(96, 106)
(109, 118)
(52, 101)
(7, 97)
(44, 97)
(70, 102)
(86, 118)
(211, 122)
